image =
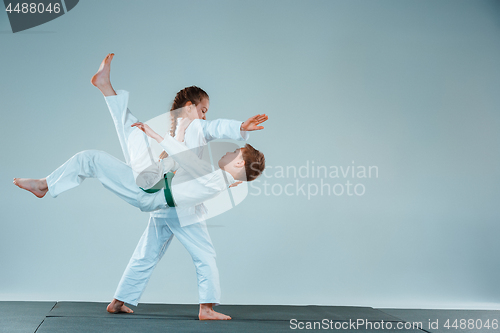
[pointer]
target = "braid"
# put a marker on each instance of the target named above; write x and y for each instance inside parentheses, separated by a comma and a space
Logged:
(175, 111)
(191, 94)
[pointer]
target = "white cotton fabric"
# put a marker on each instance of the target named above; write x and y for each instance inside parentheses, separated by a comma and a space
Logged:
(165, 223)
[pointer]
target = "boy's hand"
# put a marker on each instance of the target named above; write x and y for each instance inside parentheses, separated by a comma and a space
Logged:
(252, 123)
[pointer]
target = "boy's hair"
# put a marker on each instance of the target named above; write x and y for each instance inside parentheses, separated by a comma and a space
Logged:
(255, 162)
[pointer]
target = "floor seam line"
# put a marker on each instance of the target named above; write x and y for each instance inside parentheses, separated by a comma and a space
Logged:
(44, 318)
(235, 319)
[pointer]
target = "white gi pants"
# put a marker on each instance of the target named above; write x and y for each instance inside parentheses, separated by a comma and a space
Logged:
(135, 144)
(117, 177)
(160, 230)
(114, 175)
(153, 244)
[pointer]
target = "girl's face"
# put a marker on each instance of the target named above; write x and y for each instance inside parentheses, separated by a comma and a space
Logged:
(198, 112)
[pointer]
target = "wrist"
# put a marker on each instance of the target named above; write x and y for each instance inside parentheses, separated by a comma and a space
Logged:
(158, 138)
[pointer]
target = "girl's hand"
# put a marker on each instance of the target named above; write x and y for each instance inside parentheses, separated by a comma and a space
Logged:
(183, 124)
(149, 132)
(252, 123)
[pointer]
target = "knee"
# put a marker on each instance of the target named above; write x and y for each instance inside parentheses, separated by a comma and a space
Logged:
(90, 154)
(144, 260)
(90, 160)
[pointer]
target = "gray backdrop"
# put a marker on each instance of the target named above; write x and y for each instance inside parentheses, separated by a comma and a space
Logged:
(410, 88)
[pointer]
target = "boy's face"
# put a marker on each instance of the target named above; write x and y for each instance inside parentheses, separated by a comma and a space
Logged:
(231, 158)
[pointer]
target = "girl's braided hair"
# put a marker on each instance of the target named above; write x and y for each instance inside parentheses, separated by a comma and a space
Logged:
(191, 94)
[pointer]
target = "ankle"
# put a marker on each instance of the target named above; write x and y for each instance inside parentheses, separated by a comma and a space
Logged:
(206, 306)
(43, 185)
(107, 91)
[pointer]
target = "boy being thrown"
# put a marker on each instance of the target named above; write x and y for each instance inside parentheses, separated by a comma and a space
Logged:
(194, 183)
(194, 180)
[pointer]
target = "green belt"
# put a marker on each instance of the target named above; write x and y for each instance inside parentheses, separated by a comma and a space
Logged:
(167, 190)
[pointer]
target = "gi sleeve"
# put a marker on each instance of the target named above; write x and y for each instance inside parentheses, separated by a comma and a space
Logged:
(222, 129)
(187, 160)
(169, 164)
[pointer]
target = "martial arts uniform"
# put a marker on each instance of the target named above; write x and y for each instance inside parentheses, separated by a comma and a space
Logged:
(114, 175)
(194, 183)
(165, 223)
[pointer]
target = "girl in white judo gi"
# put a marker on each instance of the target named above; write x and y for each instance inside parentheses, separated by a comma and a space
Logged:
(168, 221)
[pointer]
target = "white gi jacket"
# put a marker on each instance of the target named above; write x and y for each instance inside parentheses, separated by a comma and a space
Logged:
(195, 181)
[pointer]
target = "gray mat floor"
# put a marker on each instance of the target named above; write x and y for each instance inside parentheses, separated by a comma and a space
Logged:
(19, 317)
(54, 317)
(437, 321)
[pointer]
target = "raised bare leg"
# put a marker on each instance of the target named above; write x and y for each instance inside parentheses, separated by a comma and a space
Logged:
(101, 78)
(207, 313)
(117, 306)
(36, 186)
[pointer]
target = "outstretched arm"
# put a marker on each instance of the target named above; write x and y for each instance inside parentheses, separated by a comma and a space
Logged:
(149, 131)
(230, 129)
(252, 123)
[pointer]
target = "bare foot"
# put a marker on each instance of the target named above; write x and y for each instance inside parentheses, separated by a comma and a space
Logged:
(101, 78)
(207, 313)
(117, 306)
(36, 186)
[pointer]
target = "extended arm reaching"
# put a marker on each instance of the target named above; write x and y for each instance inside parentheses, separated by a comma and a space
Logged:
(230, 129)
(252, 123)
